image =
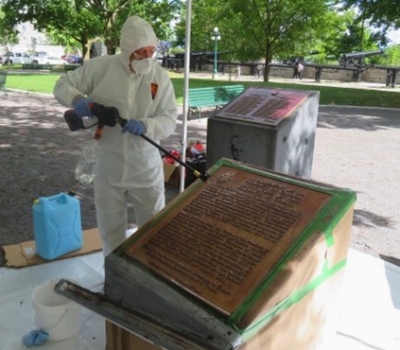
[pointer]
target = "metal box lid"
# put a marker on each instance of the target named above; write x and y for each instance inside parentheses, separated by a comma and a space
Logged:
(264, 105)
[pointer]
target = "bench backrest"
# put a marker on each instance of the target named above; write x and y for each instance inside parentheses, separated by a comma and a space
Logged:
(213, 96)
(3, 77)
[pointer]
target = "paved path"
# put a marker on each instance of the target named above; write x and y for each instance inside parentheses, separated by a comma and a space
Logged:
(357, 148)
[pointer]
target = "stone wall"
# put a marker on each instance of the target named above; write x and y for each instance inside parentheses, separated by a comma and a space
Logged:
(309, 73)
(375, 75)
(371, 74)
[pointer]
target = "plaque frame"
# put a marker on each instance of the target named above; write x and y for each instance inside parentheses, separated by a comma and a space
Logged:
(339, 203)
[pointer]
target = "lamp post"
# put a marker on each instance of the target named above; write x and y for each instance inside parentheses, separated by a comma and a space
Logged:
(215, 36)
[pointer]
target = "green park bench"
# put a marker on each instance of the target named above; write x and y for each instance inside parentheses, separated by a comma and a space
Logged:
(3, 78)
(216, 96)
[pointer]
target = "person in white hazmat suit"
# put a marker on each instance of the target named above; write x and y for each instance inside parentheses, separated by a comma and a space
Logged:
(130, 169)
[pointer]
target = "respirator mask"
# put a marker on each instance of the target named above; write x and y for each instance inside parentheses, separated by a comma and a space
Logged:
(143, 66)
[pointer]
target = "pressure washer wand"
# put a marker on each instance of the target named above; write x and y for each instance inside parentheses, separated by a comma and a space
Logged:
(196, 173)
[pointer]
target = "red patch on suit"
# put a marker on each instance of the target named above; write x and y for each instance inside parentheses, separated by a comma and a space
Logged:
(154, 88)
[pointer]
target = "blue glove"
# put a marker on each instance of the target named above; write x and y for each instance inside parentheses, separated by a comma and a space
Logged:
(81, 107)
(134, 127)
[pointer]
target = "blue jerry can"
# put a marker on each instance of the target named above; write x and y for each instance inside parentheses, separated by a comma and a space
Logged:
(57, 225)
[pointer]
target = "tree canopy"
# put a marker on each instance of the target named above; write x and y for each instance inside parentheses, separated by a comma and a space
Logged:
(7, 35)
(382, 15)
(251, 30)
(84, 20)
(257, 29)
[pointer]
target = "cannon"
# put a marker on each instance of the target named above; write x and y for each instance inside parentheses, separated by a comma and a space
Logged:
(356, 59)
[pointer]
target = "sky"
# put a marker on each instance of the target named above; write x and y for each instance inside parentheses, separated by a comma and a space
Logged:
(394, 36)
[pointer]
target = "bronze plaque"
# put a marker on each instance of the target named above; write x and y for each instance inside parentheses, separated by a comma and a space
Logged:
(220, 242)
(262, 105)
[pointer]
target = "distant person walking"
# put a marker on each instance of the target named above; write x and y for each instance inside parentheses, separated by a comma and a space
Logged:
(259, 71)
(298, 68)
(238, 72)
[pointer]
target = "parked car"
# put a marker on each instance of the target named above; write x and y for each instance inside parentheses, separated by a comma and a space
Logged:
(40, 57)
(54, 60)
(72, 59)
(16, 58)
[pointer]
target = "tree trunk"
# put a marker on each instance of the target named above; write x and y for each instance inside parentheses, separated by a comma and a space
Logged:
(84, 50)
(88, 46)
(111, 46)
(266, 71)
(268, 59)
(84, 43)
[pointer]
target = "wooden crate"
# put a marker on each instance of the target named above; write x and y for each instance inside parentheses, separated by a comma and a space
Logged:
(118, 338)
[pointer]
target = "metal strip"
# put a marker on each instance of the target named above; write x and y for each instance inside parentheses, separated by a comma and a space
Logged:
(134, 321)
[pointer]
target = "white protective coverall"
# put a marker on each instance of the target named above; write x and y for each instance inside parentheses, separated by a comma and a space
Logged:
(130, 168)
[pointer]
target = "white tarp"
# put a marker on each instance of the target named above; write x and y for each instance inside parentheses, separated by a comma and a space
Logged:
(369, 307)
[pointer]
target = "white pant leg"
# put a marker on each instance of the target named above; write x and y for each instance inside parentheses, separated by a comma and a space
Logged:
(147, 202)
(111, 212)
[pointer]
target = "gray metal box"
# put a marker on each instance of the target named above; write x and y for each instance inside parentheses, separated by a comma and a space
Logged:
(270, 128)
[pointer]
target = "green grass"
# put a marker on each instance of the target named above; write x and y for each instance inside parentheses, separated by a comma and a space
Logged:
(328, 95)
(32, 82)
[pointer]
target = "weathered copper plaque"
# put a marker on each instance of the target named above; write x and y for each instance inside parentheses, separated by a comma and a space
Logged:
(261, 105)
(220, 242)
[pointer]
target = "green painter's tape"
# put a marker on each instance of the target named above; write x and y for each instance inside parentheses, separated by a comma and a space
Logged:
(329, 238)
(294, 298)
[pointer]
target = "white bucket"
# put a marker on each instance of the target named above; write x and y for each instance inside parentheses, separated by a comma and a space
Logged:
(59, 316)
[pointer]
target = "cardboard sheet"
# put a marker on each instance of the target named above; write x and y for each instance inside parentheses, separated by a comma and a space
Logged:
(171, 174)
(23, 254)
(120, 339)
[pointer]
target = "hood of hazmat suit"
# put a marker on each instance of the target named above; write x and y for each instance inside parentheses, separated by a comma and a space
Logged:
(136, 33)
